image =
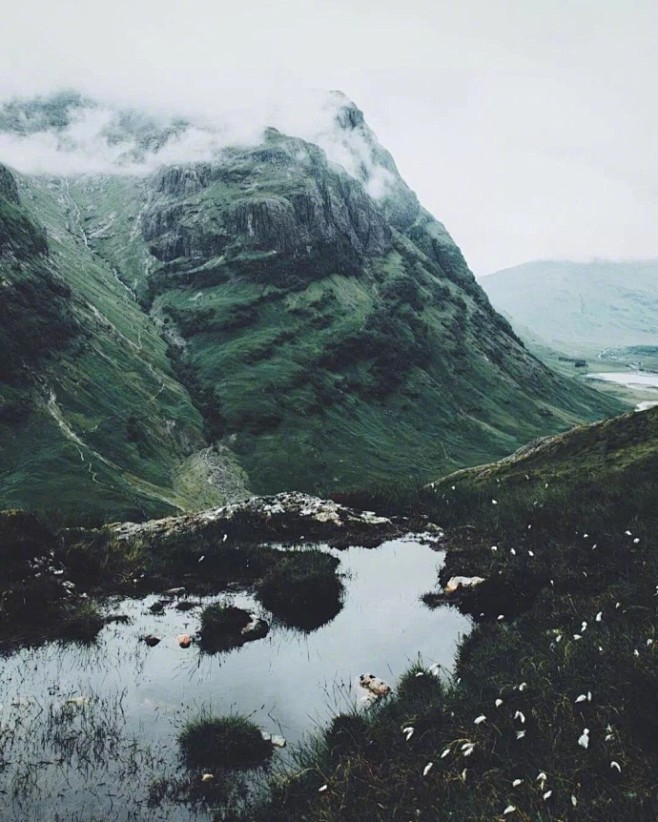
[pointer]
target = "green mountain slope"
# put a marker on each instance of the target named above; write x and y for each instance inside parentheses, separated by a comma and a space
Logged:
(580, 307)
(316, 327)
(93, 422)
(603, 450)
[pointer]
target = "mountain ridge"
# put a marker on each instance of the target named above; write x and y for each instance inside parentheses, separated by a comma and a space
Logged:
(308, 333)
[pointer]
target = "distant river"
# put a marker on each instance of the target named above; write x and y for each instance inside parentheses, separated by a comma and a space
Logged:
(631, 379)
(635, 380)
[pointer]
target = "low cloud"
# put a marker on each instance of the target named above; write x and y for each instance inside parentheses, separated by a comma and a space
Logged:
(86, 136)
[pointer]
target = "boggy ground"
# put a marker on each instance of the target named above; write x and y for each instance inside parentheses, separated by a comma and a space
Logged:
(553, 709)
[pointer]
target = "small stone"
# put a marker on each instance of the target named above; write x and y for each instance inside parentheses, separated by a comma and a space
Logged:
(151, 640)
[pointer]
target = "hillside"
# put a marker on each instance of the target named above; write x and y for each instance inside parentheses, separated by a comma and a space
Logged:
(93, 422)
(264, 317)
(580, 308)
(551, 713)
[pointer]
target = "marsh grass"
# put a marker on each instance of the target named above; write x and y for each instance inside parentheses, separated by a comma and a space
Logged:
(221, 627)
(227, 742)
(302, 589)
(565, 640)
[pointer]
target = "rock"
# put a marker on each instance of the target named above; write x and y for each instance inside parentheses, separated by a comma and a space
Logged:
(151, 640)
(277, 741)
(376, 686)
(184, 640)
(158, 607)
(256, 629)
(455, 583)
(285, 514)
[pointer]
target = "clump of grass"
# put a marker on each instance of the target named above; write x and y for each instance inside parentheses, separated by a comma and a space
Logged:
(228, 742)
(303, 589)
(221, 627)
(82, 622)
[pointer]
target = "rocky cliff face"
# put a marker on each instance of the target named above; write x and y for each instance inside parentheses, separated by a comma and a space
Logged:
(277, 198)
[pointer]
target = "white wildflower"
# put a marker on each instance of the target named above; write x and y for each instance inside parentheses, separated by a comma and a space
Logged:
(615, 765)
(509, 809)
(479, 720)
(427, 768)
(498, 702)
(599, 616)
(547, 795)
(583, 739)
(520, 734)
(520, 716)
(516, 783)
(408, 732)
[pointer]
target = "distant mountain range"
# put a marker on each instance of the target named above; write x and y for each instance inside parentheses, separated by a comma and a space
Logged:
(582, 308)
(185, 319)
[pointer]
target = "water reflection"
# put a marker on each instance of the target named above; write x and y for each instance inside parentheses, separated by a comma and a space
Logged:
(86, 731)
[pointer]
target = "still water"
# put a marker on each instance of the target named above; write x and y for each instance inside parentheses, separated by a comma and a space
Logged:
(85, 730)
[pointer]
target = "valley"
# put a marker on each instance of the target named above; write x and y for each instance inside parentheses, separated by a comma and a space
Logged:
(296, 524)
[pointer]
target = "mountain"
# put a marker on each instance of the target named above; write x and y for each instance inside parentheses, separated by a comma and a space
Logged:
(272, 313)
(580, 308)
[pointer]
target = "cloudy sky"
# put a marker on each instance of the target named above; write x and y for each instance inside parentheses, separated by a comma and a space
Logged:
(527, 126)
